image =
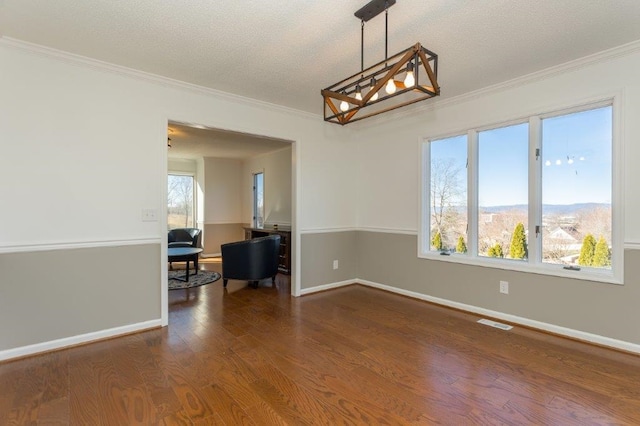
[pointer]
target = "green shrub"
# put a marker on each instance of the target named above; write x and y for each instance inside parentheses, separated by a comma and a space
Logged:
(518, 248)
(601, 254)
(587, 251)
(461, 247)
(495, 251)
(436, 242)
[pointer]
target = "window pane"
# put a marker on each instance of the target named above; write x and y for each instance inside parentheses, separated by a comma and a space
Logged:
(577, 188)
(503, 195)
(180, 202)
(258, 200)
(449, 194)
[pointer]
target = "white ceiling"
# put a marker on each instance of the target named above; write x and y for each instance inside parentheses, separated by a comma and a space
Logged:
(284, 52)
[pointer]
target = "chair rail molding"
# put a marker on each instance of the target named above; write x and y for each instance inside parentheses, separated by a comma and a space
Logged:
(70, 245)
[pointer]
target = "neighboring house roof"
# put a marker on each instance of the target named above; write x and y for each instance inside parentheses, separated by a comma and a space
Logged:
(568, 234)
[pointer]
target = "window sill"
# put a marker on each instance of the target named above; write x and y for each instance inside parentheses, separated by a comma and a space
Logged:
(606, 276)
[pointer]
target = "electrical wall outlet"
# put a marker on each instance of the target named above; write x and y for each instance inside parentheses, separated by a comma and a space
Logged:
(335, 264)
(504, 287)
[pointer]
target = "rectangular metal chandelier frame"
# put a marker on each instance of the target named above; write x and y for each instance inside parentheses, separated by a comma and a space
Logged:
(345, 90)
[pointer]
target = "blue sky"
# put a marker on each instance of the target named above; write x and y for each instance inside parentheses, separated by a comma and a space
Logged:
(576, 160)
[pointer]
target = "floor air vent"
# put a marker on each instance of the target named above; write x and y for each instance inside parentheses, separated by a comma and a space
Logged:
(495, 324)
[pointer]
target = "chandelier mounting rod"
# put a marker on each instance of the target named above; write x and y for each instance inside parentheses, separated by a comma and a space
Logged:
(373, 9)
(405, 78)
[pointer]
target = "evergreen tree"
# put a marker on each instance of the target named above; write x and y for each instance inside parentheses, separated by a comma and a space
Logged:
(461, 247)
(518, 248)
(587, 251)
(495, 251)
(602, 254)
(436, 242)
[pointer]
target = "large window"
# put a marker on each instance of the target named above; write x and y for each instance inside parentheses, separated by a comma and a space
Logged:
(503, 203)
(449, 195)
(535, 195)
(180, 201)
(576, 188)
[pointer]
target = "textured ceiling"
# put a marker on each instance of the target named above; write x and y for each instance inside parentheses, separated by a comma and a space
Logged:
(284, 52)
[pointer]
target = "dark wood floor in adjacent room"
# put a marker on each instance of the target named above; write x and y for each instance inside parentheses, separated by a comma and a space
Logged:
(353, 355)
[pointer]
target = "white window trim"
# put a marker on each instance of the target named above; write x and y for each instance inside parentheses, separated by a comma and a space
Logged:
(534, 264)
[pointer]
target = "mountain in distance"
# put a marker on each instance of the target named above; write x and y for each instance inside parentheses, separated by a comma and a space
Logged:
(553, 209)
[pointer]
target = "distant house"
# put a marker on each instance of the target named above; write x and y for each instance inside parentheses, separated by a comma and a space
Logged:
(568, 234)
(487, 217)
(565, 237)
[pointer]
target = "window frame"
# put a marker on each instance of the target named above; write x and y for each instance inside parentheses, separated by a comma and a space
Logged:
(254, 195)
(534, 263)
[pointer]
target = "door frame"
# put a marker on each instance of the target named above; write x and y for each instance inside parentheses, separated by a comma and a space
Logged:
(295, 204)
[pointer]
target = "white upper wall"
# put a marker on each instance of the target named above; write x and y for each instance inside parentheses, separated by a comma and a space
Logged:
(389, 152)
(84, 148)
(276, 167)
(223, 194)
(179, 165)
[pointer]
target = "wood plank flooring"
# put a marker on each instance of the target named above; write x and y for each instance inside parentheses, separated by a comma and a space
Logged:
(352, 355)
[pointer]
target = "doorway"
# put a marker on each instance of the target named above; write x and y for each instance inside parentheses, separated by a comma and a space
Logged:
(219, 158)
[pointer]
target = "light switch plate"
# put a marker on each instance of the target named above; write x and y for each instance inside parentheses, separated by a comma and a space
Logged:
(149, 215)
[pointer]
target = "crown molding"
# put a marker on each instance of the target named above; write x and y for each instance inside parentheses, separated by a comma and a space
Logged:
(96, 64)
(603, 56)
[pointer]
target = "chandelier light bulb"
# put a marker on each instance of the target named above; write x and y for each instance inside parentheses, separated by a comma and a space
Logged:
(375, 95)
(390, 88)
(358, 93)
(409, 80)
(344, 105)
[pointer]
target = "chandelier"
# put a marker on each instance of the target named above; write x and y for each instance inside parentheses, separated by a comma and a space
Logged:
(402, 79)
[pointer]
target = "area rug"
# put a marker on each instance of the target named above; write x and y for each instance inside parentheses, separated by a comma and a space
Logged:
(202, 278)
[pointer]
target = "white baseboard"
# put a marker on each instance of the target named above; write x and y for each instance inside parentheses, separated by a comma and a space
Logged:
(207, 255)
(327, 287)
(77, 340)
(551, 328)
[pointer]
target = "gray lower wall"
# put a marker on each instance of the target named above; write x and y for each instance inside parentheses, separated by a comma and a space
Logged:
(216, 235)
(318, 251)
(604, 309)
(49, 295)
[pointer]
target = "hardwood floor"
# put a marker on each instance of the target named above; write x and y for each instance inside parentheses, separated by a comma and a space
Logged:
(352, 355)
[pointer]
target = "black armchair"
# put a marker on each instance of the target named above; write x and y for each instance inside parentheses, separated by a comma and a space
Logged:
(251, 260)
(185, 237)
